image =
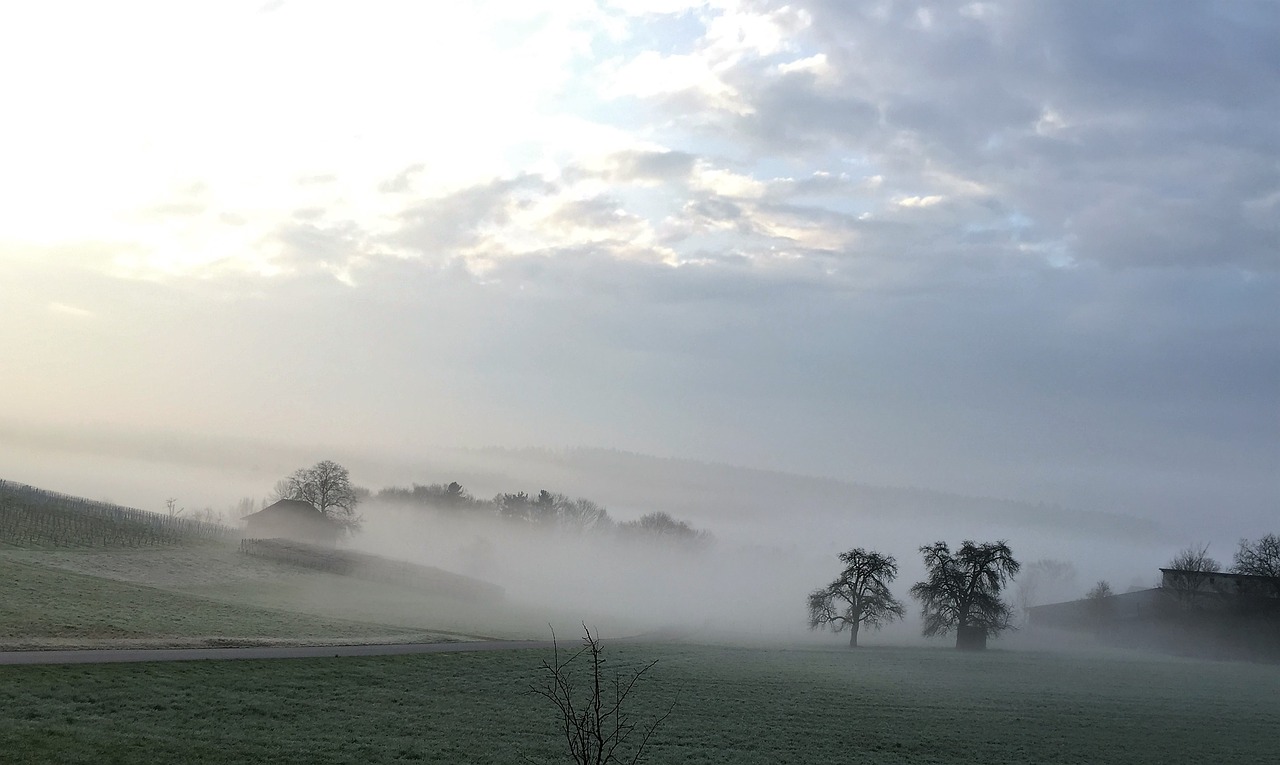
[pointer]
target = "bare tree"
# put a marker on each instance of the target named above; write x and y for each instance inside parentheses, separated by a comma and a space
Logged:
(582, 515)
(963, 591)
(327, 486)
(1195, 559)
(1188, 573)
(171, 505)
(665, 527)
(1099, 591)
(209, 515)
(596, 727)
(1261, 558)
(860, 595)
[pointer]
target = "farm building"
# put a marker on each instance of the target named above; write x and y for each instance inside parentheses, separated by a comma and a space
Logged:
(1215, 584)
(1204, 613)
(1083, 614)
(292, 519)
(1199, 591)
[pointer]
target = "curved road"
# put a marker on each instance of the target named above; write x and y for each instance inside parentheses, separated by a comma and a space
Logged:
(105, 655)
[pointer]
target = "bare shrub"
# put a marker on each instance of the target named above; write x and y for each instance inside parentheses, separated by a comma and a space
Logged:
(591, 710)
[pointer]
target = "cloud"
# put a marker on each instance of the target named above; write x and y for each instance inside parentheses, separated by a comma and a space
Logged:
(918, 201)
(70, 310)
(651, 166)
(442, 226)
(1022, 246)
(1077, 115)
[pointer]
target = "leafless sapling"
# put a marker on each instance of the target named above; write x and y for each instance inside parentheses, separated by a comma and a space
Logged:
(590, 708)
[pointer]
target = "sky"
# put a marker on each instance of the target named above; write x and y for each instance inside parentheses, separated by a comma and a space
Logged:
(1022, 250)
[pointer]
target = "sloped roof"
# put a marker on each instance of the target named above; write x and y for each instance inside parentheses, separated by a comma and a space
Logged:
(289, 507)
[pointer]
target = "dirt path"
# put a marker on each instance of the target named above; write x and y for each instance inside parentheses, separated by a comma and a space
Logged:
(107, 655)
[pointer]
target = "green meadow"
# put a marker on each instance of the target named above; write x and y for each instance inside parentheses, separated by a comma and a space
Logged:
(732, 705)
(50, 607)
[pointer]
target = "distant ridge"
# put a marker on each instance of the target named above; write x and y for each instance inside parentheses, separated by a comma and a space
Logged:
(714, 492)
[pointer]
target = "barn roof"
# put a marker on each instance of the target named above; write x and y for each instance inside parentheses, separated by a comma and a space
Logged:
(290, 507)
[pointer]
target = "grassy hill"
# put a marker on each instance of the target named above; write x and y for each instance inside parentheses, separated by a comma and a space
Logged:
(38, 518)
(85, 573)
(46, 606)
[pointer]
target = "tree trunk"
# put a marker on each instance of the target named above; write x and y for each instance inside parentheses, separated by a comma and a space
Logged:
(971, 638)
(853, 636)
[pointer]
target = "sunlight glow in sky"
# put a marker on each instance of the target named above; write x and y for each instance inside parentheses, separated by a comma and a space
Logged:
(1006, 248)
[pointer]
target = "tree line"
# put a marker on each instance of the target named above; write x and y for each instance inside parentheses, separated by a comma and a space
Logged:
(546, 510)
(327, 486)
(962, 592)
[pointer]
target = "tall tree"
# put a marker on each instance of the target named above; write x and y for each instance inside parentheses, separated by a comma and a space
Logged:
(327, 486)
(963, 590)
(1260, 558)
(860, 595)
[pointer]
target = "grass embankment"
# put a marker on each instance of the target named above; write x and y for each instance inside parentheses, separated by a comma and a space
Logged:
(734, 706)
(220, 574)
(49, 606)
(86, 572)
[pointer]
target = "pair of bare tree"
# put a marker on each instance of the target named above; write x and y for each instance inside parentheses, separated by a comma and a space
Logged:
(962, 592)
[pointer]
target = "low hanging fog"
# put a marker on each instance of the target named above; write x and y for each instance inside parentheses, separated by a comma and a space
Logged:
(763, 540)
(746, 583)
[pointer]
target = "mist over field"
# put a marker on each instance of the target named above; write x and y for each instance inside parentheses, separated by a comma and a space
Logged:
(775, 536)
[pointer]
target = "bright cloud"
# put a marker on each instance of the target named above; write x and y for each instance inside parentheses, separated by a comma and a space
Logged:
(918, 201)
(70, 310)
(1018, 218)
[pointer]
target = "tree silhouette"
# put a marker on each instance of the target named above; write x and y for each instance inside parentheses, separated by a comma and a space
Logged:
(327, 486)
(591, 709)
(1261, 558)
(860, 595)
(963, 591)
(1188, 573)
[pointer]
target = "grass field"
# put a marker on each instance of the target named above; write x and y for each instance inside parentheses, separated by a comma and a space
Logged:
(733, 705)
(50, 606)
(69, 593)
(85, 573)
(742, 706)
